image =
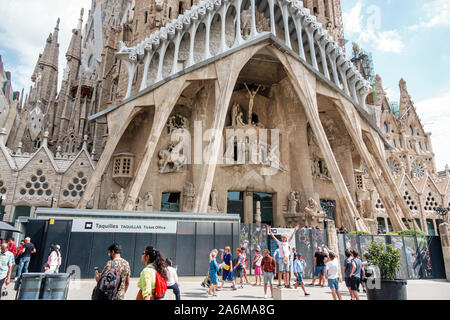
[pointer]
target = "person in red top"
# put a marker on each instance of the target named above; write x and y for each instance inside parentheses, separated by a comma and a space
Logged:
(12, 246)
(268, 266)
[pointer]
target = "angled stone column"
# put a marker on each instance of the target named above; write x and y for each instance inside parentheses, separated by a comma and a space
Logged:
(444, 231)
(227, 70)
(351, 121)
(166, 97)
(304, 84)
(118, 123)
(395, 191)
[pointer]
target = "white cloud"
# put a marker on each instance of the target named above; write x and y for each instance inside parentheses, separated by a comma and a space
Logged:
(436, 118)
(389, 41)
(26, 24)
(436, 13)
(365, 28)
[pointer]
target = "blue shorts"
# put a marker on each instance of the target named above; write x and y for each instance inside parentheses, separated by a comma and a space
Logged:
(318, 270)
(284, 266)
(333, 284)
(300, 278)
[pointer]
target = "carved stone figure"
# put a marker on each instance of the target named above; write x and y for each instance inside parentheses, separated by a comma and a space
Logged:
(293, 201)
(171, 159)
(120, 198)
(313, 212)
(147, 202)
(177, 122)
(252, 94)
(112, 202)
(258, 213)
(237, 117)
(213, 200)
(188, 196)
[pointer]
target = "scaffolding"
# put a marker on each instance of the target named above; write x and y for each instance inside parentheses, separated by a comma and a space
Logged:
(339, 21)
(364, 62)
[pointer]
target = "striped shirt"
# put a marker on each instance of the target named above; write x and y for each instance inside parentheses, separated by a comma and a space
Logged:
(6, 262)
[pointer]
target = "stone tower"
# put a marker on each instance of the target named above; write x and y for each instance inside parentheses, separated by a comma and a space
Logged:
(328, 12)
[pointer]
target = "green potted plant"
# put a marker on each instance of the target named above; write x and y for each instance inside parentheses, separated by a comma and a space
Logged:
(385, 286)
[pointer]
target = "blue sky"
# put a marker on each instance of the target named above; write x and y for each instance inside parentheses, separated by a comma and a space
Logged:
(408, 38)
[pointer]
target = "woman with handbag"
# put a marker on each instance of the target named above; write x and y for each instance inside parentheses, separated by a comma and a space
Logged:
(227, 258)
(155, 263)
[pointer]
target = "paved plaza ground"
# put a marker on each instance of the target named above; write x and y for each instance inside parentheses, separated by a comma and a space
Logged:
(191, 290)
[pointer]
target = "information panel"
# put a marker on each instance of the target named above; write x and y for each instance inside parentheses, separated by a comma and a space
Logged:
(124, 226)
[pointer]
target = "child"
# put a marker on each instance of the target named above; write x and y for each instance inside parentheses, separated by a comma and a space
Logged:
(257, 262)
(299, 266)
(268, 266)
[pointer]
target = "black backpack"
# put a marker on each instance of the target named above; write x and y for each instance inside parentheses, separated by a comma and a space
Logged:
(108, 286)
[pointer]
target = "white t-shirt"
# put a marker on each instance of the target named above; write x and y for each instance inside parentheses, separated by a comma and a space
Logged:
(172, 276)
(332, 267)
(259, 260)
(284, 249)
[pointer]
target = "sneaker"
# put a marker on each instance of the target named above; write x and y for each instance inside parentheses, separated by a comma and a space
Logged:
(265, 297)
(279, 286)
(215, 295)
(288, 287)
(307, 294)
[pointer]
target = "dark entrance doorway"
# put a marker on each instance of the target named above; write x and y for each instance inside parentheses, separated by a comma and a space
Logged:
(21, 211)
(266, 200)
(328, 207)
(235, 203)
(170, 202)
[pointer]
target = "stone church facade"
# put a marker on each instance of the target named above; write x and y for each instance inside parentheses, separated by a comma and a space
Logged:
(246, 107)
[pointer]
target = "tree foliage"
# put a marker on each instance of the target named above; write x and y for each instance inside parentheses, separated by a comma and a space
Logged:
(386, 258)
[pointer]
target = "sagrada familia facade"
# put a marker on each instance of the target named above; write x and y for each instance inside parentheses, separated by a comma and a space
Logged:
(238, 106)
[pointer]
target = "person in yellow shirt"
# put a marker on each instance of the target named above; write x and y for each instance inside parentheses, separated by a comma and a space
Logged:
(154, 262)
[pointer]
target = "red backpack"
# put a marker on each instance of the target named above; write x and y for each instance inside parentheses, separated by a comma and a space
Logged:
(161, 285)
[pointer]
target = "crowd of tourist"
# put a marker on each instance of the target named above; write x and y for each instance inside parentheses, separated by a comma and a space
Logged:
(159, 275)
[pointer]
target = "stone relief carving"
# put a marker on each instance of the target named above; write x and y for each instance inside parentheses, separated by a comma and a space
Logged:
(112, 202)
(172, 159)
(237, 116)
(177, 122)
(313, 213)
(120, 199)
(319, 169)
(144, 203)
(293, 201)
(213, 201)
(188, 197)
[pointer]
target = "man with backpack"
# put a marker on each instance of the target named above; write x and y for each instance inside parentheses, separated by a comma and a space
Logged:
(113, 282)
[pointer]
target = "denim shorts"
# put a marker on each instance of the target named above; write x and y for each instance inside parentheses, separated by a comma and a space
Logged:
(333, 284)
(300, 278)
(268, 277)
(284, 266)
(318, 270)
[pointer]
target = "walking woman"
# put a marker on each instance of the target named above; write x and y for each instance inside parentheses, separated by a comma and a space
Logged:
(53, 259)
(227, 275)
(213, 270)
(244, 264)
(154, 262)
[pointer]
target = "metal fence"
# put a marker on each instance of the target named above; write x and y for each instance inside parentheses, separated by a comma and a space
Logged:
(421, 256)
(306, 241)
